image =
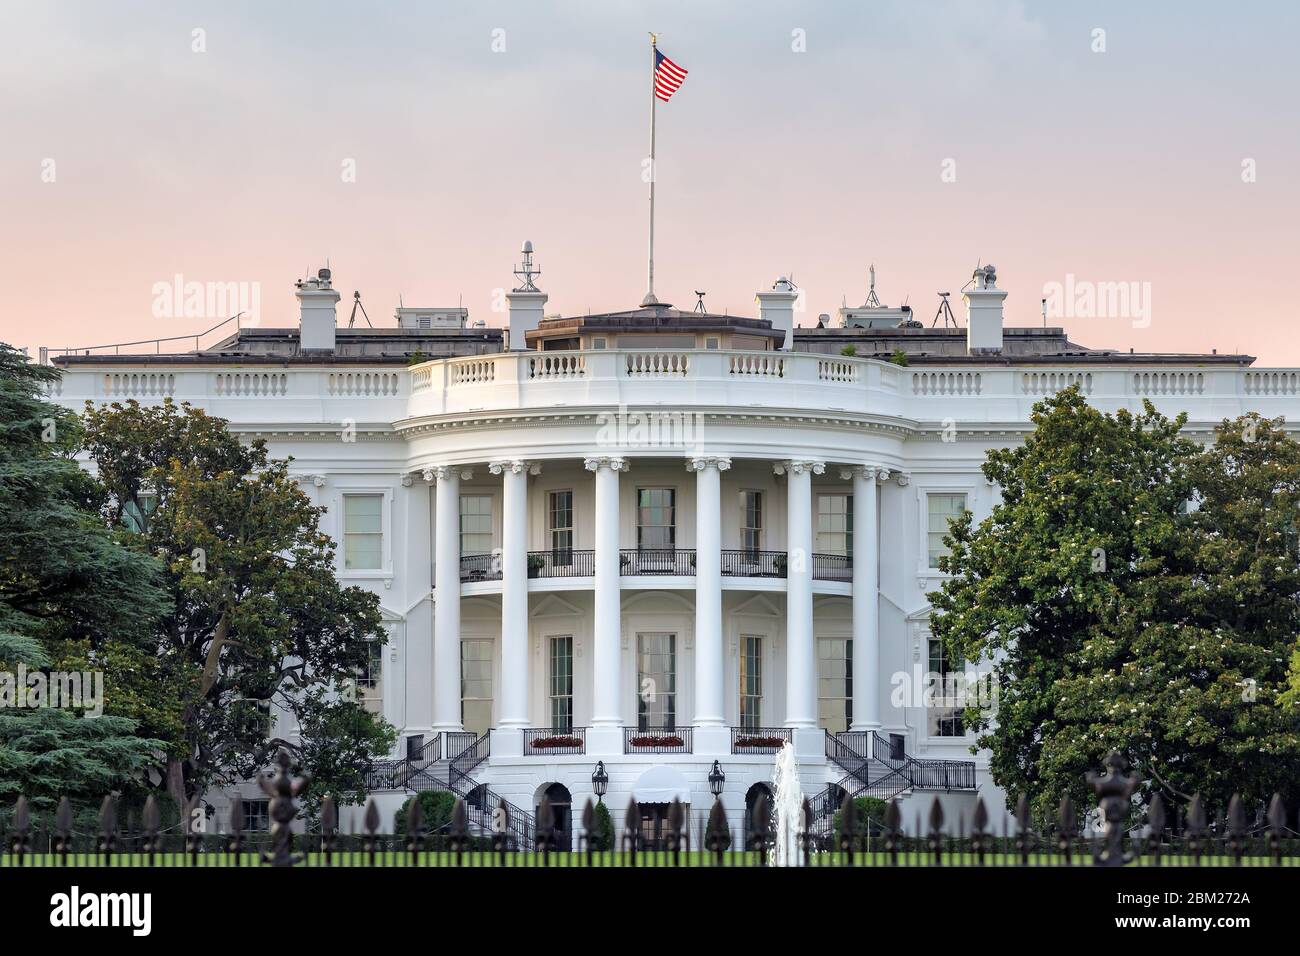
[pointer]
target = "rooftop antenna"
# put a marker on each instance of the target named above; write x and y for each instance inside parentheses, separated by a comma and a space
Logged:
(526, 271)
(699, 304)
(1044, 313)
(945, 313)
(356, 304)
(873, 302)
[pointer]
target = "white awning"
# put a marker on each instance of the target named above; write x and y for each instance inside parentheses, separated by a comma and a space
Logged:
(661, 784)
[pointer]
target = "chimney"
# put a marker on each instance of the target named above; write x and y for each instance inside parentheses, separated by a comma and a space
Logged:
(526, 301)
(316, 302)
(777, 307)
(984, 313)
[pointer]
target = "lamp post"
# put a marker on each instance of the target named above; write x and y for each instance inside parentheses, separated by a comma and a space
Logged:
(600, 781)
(717, 779)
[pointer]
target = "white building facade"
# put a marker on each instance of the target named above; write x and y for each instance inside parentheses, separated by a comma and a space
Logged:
(661, 542)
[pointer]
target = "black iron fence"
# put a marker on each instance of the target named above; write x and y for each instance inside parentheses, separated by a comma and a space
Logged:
(480, 567)
(573, 563)
(545, 741)
(658, 740)
(678, 561)
(832, 567)
(486, 832)
(753, 564)
(760, 740)
(561, 564)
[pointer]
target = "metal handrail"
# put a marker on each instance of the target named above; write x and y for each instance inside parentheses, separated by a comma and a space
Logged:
(748, 563)
(118, 346)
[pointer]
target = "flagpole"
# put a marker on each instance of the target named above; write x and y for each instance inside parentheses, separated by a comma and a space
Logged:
(650, 271)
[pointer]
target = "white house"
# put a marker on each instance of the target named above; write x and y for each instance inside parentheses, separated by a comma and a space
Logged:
(661, 540)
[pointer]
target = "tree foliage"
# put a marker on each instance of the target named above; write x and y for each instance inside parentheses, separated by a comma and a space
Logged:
(1118, 618)
(74, 595)
(259, 617)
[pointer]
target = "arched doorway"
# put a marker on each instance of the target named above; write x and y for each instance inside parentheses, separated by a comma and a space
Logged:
(561, 801)
(759, 791)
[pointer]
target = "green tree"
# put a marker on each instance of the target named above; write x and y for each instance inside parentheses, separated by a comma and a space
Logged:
(73, 596)
(259, 617)
(1118, 619)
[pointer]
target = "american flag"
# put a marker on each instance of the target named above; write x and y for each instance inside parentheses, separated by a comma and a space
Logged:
(668, 76)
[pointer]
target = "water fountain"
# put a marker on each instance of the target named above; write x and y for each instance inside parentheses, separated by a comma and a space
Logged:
(788, 812)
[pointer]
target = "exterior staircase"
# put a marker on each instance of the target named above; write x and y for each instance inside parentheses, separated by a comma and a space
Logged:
(871, 769)
(430, 769)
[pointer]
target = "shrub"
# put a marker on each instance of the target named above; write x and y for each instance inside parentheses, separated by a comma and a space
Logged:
(849, 351)
(436, 807)
(602, 830)
(870, 812)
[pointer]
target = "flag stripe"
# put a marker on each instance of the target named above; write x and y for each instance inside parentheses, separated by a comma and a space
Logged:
(668, 77)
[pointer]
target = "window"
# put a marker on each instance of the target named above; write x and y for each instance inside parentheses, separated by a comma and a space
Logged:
(943, 509)
(257, 815)
(711, 343)
(559, 527)
(656, 681)
(475, 524)
(656, 519)
(598, 343)
(363, 532)
(136, 514)
(944, 711)
(476, 684)
(834, 524)
(370, 675)
(254, 716)
(562, 683)
(751, 522)
(834, 683)
(751, 682)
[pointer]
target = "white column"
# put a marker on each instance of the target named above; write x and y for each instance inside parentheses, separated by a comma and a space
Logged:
(446, 606)
(709, 671)
(800, 654)
(866, 597)
(514, 591)
(417, 659)
(607, 710)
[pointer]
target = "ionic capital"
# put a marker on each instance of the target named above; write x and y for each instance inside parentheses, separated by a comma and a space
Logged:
(445, 472)
(700, 462)
(613, 463)
(799, 467)
(516, 466)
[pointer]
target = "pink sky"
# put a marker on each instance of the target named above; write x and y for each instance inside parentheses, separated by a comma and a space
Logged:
(225, 165)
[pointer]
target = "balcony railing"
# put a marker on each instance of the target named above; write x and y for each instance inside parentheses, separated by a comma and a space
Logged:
(760, 740)
(658, 740)
(549, 741)
(480, 567)
(753, 564)
(832, 567)
(573, 563)
(561, 564)
(679, 561)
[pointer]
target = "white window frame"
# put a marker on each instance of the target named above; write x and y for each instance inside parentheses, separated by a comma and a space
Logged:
(923, 569)
(385, 569)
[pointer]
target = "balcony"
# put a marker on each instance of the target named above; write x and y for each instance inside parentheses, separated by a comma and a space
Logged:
(753, 564)
(552, 741)
(658, 740)
(480, 567)
(674, 561)
(566, 563)
(679, 562)
(832, 567)
(760, 740)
